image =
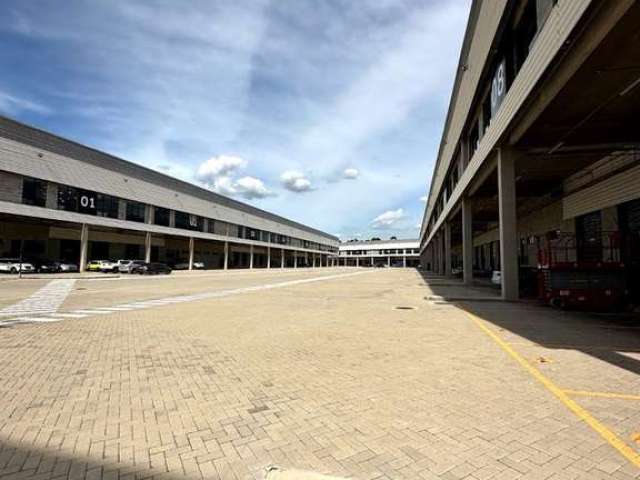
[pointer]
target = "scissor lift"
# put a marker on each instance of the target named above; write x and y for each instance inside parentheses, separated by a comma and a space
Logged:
(582, 274)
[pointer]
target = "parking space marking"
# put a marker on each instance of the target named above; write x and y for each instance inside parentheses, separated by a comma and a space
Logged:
(587, 393)
(611, 438)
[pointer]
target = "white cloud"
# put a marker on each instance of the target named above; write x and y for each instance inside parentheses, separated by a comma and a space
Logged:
(251, 187)
(296, 181)
(424, 199)
(388, 219)
(220, 166)
(218, 174)
(13, 105)
(224, 186)
(350, 173)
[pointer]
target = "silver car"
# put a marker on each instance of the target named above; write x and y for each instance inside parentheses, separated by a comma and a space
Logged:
(125, 266)
(13, 265)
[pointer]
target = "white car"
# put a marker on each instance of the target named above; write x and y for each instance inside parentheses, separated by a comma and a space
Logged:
(13, 265)
(496, 277)
(124, 266)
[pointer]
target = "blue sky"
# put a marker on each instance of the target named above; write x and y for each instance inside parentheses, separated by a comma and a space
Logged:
(327, 112)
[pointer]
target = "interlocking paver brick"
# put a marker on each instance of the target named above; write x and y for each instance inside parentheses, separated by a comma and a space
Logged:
(325, 377)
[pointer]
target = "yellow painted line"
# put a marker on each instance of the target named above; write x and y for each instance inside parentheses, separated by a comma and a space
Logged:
(587, 393)
(611, 438)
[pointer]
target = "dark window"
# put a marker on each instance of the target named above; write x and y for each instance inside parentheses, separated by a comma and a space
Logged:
(188, 221)
(161, 216)
(105, 205)
(67, 198)
(211, 226)
(34, 192)
(525, 33)
(135, 211)
(251, 233)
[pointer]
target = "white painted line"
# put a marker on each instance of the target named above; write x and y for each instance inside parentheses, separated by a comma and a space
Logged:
(36, 319)
(69, 315)
(113, 309)
(91, 312)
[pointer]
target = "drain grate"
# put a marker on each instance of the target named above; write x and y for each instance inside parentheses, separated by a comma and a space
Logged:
(404, 308)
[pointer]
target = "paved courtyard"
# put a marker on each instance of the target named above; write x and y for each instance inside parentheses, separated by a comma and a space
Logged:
(365, 374)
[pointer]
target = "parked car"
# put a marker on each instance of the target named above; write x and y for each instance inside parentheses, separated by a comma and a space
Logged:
(102, 266)
(46, 266)
(496, 277)
(13, 265)
(153, 268)
(67, 266)
(125, 266)
(185, 265)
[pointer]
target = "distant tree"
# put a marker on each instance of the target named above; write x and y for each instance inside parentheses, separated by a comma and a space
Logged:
(393, 238)
(375, 239)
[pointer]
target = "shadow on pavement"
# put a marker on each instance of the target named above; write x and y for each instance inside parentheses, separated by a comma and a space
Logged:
(27, 461)
(602, 336)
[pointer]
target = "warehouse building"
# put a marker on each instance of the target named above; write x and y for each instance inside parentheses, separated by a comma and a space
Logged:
(379, 253)
(60, 200)
(539, 162)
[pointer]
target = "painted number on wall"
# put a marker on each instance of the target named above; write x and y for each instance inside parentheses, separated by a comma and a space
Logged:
(498, 87)
(87, 202)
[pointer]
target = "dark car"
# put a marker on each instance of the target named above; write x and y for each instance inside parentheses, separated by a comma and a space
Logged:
(150, 268)
(46, 266)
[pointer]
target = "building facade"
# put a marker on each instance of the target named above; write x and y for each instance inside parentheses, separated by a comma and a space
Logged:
(60, 200)
(540, 151)
(380, 253)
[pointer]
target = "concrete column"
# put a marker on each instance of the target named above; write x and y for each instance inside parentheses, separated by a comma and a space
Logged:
(388, 261)
(268, 257)
(191, 251)
(147, 247)
(149, 214)
(122, 209)
(295, 259)
(467, 242)
(52, 196)
(226, 255)
(282, 258)
(357, 261)
(447, 249)
(251, 256)
(84, 246)
(508, 224)
(404, 262)
(372, 261)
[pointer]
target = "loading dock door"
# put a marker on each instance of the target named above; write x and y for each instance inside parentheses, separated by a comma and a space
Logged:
(589, 237)
(629, 221)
